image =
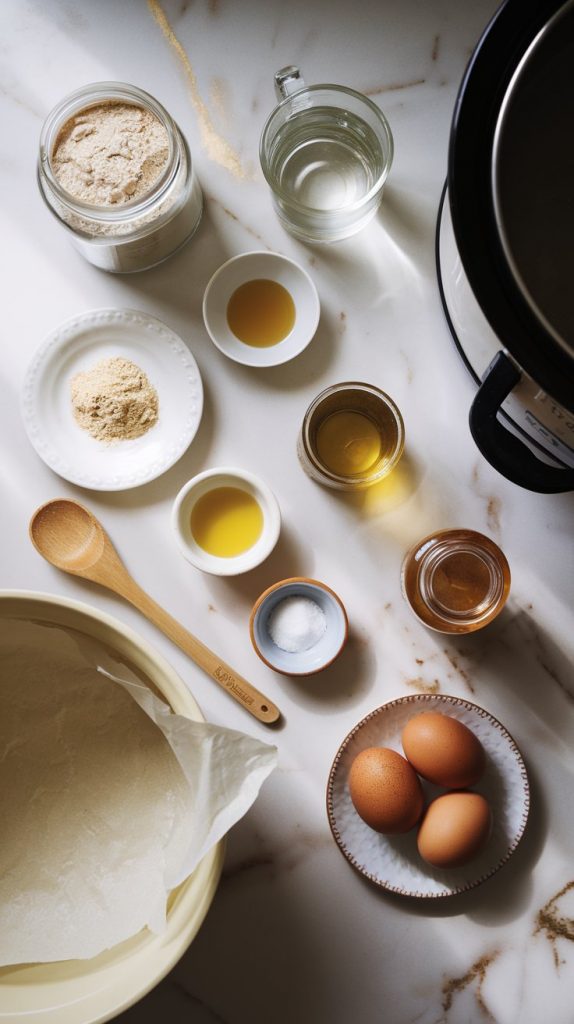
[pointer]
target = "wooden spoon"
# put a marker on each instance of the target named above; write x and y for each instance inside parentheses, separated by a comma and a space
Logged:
(68, 536)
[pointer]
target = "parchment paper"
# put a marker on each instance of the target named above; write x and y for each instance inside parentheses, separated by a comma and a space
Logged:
(108, 800)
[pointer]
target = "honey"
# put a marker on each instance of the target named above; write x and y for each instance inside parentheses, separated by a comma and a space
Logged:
(226, 521)
(462, 581)
(456, 581)
(348, 443)
(261, 313)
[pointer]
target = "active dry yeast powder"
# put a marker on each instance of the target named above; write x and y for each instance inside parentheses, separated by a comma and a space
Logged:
(114, 400)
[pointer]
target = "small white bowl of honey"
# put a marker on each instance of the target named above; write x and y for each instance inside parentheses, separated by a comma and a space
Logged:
(226, 521)
(261, 309)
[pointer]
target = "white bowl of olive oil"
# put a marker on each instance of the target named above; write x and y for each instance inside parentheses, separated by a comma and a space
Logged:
(226, 521)
(261, 309)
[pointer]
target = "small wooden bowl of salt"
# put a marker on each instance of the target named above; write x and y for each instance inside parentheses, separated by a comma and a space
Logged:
(298, 626)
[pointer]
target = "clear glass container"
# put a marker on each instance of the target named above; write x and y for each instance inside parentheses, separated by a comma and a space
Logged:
(144, 231)
(326, 152)
(352, 436)
(456, 581)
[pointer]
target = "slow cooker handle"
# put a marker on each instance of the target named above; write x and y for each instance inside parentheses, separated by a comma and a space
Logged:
(506, 452)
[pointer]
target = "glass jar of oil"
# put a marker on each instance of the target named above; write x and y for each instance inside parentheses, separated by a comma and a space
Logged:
(456, 581)
(351, 437)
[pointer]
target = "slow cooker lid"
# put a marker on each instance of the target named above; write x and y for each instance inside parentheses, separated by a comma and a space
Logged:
(491, 89)
(533, 176)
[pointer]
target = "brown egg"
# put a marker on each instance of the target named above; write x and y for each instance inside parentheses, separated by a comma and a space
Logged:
(443, 750)
(454, 829)
(385, 790)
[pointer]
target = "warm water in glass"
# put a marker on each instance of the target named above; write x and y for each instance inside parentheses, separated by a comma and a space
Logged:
(326, 152)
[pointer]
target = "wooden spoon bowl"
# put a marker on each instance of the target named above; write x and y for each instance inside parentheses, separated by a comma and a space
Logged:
(70, 537)
(76, 549)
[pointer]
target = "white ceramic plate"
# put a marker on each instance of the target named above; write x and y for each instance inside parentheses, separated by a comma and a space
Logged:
(251, 266)
(393, 862)
(80, 343)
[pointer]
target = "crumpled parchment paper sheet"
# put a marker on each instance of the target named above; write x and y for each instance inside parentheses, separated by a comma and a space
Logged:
(108, 800)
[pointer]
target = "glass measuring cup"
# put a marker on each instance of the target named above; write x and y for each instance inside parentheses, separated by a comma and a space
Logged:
(326, 152)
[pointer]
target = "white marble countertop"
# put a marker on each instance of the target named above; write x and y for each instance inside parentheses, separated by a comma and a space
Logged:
(294, 935)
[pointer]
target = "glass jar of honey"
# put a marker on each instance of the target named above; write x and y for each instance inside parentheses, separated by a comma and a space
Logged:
(456, 581)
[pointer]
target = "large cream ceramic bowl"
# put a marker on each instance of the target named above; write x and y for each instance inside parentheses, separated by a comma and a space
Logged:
(89, 991)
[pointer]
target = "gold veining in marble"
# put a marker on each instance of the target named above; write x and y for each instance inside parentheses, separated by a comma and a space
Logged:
(21, 103)
(453, 660)
(394, 87)
(218, 149)
(544, 657)
(493, 502)
(421, 686)
(233, 216)
(493, 512)
(554, 924)
(476, 973)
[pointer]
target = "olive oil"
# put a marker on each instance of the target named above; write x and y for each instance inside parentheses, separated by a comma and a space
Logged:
(226, 521)
(349, 443)
(261, 313)
(352, 436)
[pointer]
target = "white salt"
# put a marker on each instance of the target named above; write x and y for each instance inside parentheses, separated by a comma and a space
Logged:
(296, 624)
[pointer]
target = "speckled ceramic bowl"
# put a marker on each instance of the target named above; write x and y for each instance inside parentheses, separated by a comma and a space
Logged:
(323, 653)
(393, 862)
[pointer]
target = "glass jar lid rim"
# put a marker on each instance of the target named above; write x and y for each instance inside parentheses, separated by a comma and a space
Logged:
(487, 596)
(89, 96)
(345, 90)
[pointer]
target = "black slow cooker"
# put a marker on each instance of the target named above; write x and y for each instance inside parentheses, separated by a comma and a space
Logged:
(505, 241)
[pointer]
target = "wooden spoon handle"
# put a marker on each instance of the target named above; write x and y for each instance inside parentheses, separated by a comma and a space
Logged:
(243, 692)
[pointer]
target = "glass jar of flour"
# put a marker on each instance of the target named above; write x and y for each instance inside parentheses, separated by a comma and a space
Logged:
(116, 171)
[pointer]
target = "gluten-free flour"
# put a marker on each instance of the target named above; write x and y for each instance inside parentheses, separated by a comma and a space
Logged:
(110, 153)
(116, 172)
